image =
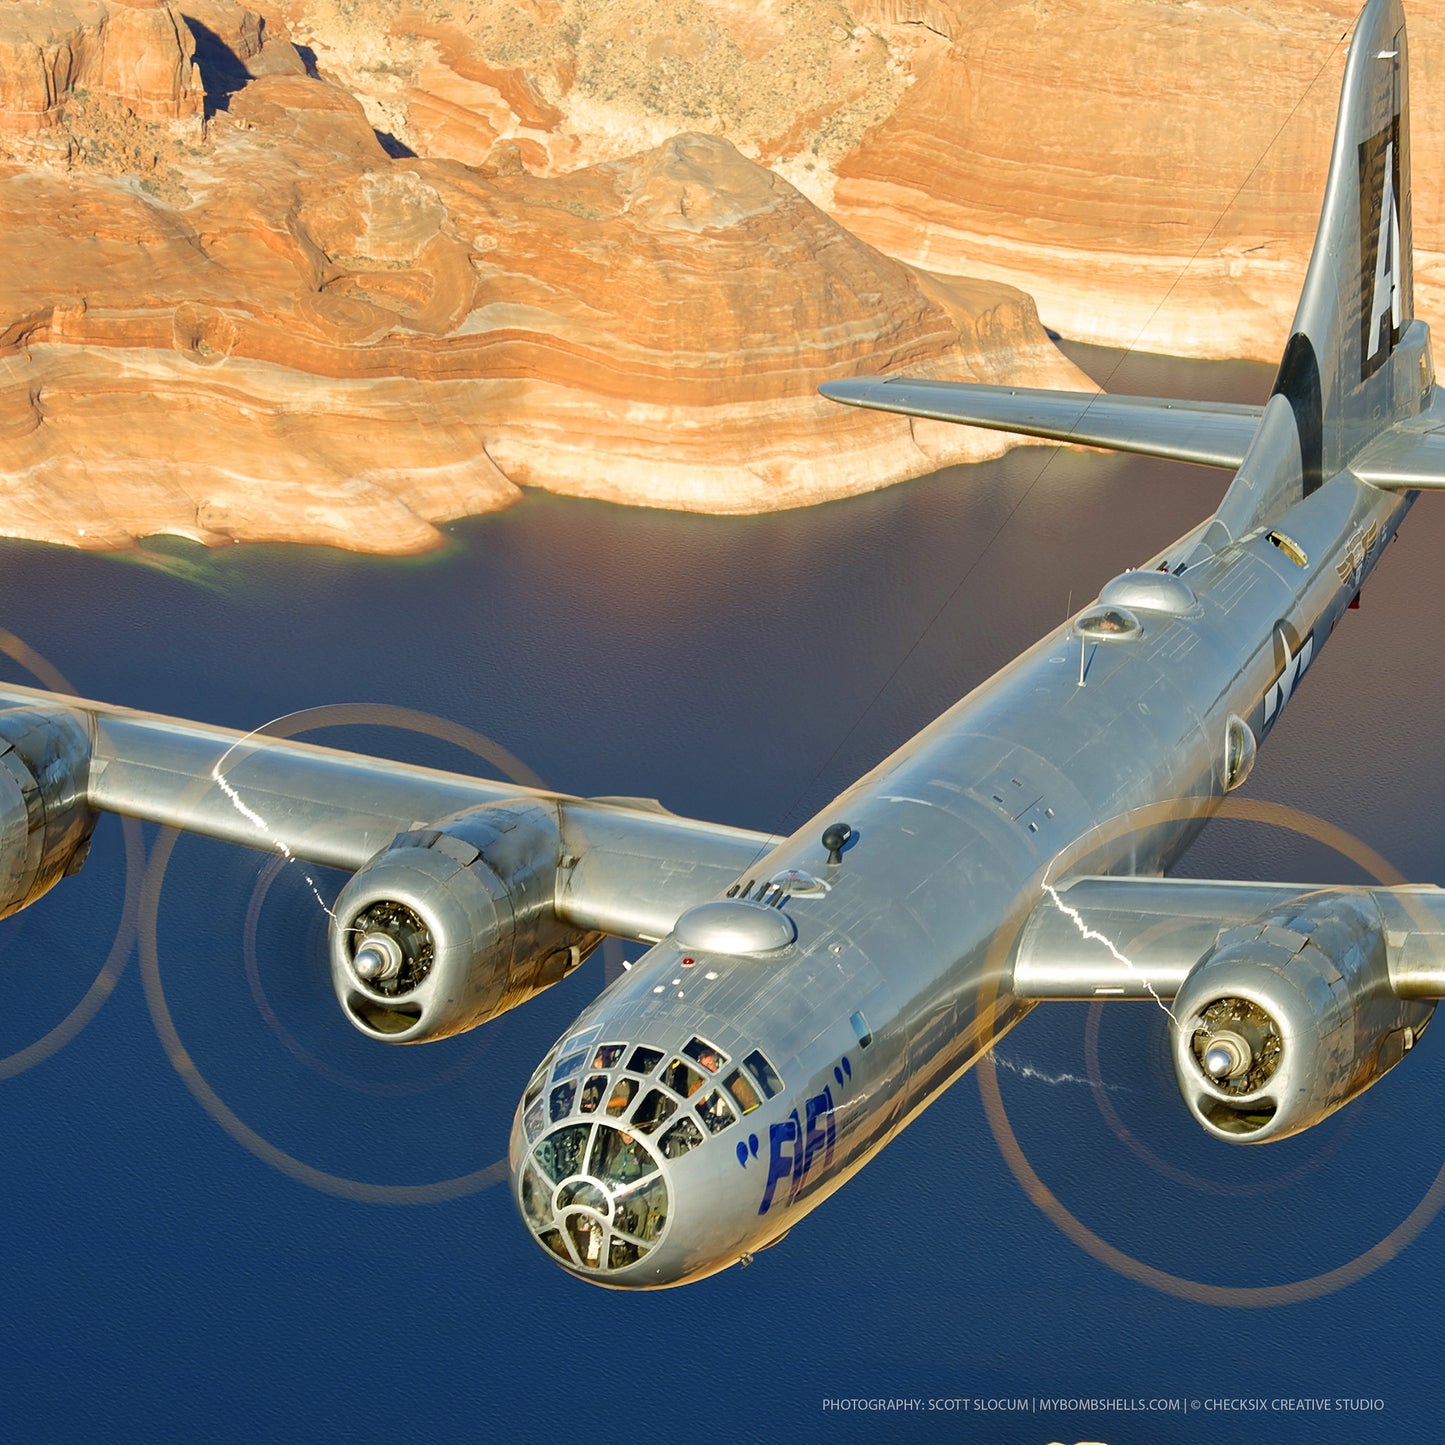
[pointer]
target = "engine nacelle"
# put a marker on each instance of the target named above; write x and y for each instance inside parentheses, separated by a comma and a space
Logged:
(450, 926)
(1289, 1017)
(45, 823)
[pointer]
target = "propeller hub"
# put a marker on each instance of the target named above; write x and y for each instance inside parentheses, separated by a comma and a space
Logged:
(378, 958)
(1227, 1056)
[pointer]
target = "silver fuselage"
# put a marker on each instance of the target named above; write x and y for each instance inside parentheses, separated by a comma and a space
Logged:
(1031, 779)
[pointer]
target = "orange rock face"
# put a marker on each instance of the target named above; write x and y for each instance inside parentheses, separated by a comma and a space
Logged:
(1150, 171)
(278, 331)
(350, 287)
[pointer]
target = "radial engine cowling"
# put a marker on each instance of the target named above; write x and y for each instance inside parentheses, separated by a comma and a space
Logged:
(450, 926)
(1289, 1017)
(45, 823)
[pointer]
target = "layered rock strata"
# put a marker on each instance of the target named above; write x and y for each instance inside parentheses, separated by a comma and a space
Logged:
(1150, 171)
(277, 330)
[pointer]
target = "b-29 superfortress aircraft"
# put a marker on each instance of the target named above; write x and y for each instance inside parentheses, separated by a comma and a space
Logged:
(804, 998)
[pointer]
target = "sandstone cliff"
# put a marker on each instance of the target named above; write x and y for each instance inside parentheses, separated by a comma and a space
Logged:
(342, 270)
(1149, 171)
(269, 327)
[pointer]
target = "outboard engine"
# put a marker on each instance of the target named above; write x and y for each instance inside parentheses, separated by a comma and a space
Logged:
(45, 823)
(1289, 1017)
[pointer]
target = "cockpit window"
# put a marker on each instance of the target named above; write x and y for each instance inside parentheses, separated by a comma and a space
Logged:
(538, 1079)
(562, 1100)
(764, 1073)
(716, 1112)
(654, 1110)
(568, 1066)
(644, 1060)
(710, 1058)
(860, 1027)
(619, 1158)
(535, 1117)
(622, 1094)
(681, 1079)
(560, 1153)
(592, 1092)
(742, 1091)
(595, 1196)
(585, 1232)
(683, 1135)
(642, 1212)
(607, 1055)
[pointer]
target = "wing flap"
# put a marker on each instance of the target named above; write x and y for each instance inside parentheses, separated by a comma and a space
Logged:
(1211, 434)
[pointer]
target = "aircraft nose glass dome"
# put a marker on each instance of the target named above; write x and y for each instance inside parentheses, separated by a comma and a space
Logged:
(594, 1195)
(601, 1120)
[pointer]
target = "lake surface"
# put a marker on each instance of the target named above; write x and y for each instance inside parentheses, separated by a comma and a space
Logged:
(170, 1277)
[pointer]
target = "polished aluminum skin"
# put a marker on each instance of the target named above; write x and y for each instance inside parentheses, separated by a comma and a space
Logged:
(804, 998)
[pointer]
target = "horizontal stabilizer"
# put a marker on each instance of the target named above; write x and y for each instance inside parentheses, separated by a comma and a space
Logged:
(1212, 434)
(1404, 460)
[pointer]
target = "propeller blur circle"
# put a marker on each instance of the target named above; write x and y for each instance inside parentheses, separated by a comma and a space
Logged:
(1043, 1198)
(308, 719)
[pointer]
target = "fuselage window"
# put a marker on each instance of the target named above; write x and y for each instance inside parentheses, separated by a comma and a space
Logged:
(607, 1055)
(642, 1212)
(681, 1079)
(622, 1093)
(644, 1060)
(562, 1100)
(586, 1235)
(619, 1158)
(621, 1253)
(553, 1240)
(1290, 548)
(860, 1027)
(655, 1109)
(764, 1073)
(568, 1067)
(683, 1135)
(536, 1199)
(539, 1078)
(1100, 623)
(703, 1052)
(742, 1091)
(560, 1153)
(592, 1092)
(716, 1112)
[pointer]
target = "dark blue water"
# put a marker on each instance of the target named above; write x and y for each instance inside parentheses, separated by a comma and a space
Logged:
(169, 1277)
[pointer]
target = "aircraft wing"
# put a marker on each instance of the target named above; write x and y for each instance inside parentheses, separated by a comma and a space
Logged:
(624, 867)
(1212, 434)
(1141, 938)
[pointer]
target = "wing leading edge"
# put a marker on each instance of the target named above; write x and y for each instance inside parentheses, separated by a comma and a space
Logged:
(1141, 938)
(629, 869)
(1210, 434)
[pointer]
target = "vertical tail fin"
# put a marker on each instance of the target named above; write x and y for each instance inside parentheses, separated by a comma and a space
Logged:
(1356, 360)
(1345, 371)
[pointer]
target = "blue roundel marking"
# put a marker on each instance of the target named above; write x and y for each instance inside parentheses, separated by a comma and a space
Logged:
(838, 1074)
(742, 1154)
